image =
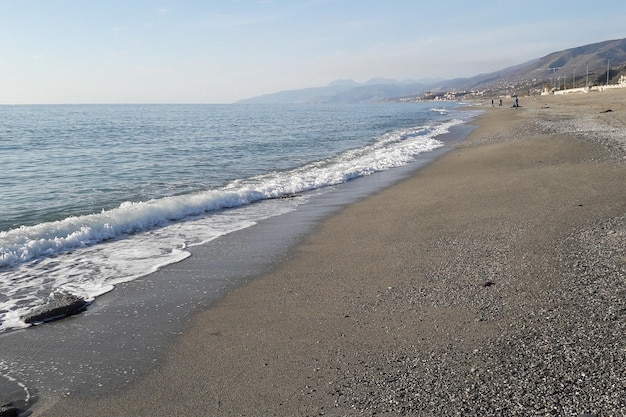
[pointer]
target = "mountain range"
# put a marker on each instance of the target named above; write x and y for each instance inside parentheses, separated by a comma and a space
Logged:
(583, 65)
(346, 91)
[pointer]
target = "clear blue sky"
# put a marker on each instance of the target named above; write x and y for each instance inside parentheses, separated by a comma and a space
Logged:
(193, 51)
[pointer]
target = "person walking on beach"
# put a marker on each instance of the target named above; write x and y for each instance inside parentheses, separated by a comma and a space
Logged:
(492, 105)
(500, 102)
(516, 102)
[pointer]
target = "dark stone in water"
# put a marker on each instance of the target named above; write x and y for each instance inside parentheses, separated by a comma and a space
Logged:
(60, 305)
(285, 196)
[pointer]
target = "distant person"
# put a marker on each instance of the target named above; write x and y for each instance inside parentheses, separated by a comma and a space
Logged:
(500, 102)
(516, 102)
(492, 105)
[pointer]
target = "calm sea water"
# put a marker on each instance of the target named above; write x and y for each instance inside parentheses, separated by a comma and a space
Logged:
(96, 195)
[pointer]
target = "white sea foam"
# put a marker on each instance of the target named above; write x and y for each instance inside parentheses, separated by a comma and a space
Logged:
(27, 243)
(393, 149)
(89, 255)
(93, 270)
(5, 372)
(440, 110)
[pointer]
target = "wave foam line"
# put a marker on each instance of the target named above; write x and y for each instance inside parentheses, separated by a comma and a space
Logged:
(27, 394)
(391, 150)
(27, 243)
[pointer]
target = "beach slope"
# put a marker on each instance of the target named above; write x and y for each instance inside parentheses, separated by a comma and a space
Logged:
(492, 282)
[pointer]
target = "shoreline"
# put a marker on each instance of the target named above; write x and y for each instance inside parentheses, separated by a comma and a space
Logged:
(124, 333)
(486, 282)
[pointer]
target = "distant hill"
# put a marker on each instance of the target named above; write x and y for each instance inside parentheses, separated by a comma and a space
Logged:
(555, 67)
(344, 91)
(567, 66)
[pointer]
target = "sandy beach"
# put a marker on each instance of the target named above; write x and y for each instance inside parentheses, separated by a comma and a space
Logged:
(490, 283)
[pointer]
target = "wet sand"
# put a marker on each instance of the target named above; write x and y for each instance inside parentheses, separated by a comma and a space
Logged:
(491, 282)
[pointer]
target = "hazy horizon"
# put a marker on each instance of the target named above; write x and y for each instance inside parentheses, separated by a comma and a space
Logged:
(64, 51)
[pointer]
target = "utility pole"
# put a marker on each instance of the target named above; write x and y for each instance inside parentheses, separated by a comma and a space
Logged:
(607, 71)
(554, 70)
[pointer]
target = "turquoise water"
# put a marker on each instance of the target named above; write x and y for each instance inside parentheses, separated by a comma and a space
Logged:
(95, 195)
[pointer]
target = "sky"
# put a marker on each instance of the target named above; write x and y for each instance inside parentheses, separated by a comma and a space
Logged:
(221, 51)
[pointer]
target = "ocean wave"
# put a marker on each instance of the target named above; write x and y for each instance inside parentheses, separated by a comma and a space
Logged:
(440, 110)
(393, 149)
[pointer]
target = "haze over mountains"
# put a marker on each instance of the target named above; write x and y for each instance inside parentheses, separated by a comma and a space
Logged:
(346, 91)
(580, 65)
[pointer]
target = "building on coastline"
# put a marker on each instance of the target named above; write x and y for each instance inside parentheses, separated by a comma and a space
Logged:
(621, 83)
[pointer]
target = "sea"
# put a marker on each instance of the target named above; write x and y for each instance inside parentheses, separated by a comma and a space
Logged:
(93, 196)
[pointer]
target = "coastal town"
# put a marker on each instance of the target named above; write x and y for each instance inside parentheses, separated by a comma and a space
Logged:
(529, 87)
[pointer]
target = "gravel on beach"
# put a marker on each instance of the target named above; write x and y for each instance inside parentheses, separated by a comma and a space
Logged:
(566, 356)
(561, 351)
